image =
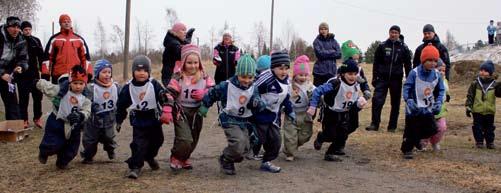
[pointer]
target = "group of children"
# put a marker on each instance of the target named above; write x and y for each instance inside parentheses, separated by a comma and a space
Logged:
(252, 103)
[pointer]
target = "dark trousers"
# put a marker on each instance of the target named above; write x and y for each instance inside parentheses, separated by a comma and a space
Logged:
(336, 127)
(187, 132)
(381, 88)
(269, 136)
(483, 128)
(417, 128)
(9, 101)
(146, 141)
(238, 143)
(94, 135)
(491, 39)
(319, 80)
(54, 141)
(25, 88)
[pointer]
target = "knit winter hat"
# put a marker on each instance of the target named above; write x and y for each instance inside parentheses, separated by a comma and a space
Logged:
(263, 63)
(78, 73)
(428, 28)
(187, 50)
(13, 21)
(100, 65)
(302, 65)
(396, 28)
(280, 58)
(488, 66)
(349, 65)
(26, 24)
(429, 53)
(323, 25)
(246, 66)
(177, 27)
(440, 63)
(64, 17)
(227, 33)
(141, 62)
(349, 49)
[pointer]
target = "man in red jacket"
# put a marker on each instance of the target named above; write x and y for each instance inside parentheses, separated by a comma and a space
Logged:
(65, 50)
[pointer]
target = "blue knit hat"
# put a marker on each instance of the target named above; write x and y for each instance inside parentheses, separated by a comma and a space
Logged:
(263, 63)
(246, 66)
(488, 66)
(280, 58)
(349, 65)
(100, 65)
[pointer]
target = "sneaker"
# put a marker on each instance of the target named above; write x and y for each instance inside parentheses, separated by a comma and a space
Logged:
(317, 144)
(133, 173)
(255, 157)
(372, 127)
(479, 145)
(332, 158)
(87, 161)
(175, 164)
(436, 147)
(42, 158)
(111, 155)
(38, 123)
(227, 168)
(420, 147)
(408, 155)
(339, 152)
(26, 124)
(269, 167)
(289, 158)
(186, 164)
(153, 164)
(491, 146)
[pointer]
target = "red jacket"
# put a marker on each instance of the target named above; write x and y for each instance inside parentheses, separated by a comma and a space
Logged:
(65, 50)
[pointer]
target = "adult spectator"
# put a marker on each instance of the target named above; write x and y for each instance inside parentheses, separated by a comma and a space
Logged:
(491, 32)
(429, 36)
(327, 51)
(226, 55)
(174, 40)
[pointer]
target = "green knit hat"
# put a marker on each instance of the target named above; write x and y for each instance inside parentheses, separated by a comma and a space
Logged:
(348, 49)
(246, 65)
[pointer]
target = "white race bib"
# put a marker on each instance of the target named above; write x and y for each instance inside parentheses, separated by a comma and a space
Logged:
(237, 100)
(186, 89)
(143, 97)
(424, 91)
(300, 100)
(71, 102)
(346, 97)
(106, 98)
(274, 100)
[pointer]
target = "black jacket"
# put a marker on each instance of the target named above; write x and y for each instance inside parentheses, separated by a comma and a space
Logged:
(226, 68)
(16, 52)
(172, 53)
(444, 54)
(390, 60)
(35, 59)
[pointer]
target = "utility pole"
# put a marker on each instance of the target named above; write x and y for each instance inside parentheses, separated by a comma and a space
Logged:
(271, 28)
(52, 27)
(126, 43)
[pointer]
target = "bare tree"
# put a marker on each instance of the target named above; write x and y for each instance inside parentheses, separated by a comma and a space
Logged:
(450, 41)
(139, 35)
(100, 36)
(75, 26)
(213, 39)
(118, 37)
(147, 36)
(260, 34)
(289, 33)
(171, 17)
(25, 9)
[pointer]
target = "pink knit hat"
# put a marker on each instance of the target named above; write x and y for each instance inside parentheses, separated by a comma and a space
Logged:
(187, 50)
(302, 65)
(177, 27)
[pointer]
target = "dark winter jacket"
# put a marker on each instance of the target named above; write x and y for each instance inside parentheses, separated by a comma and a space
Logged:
(267, 82)
(104, 119)
(35, 59)
(228, 56)
(327, 51)
(390, 60)
(13, 51)
(444, 54)
(172, 53)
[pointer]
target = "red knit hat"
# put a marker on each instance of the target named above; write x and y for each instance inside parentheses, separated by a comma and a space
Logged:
(78, 74)
(429, 53)
(64, 17)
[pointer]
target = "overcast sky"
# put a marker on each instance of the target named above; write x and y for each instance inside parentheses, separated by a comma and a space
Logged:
(362, 21)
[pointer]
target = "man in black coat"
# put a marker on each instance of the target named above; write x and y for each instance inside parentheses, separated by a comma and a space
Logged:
(430, 37)
(174, 40)
(226, 55)
(391, 58)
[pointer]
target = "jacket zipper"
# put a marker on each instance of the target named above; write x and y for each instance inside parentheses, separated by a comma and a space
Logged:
(391, 63)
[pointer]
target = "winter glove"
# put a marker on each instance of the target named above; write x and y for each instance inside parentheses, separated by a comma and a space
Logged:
(468, 111)
(217, 60)
(436, 108)
(202, 111)
(166, 116)
(75, 118)
(118, 127)
(198, 95)
(447, 98)
(361, 80)
(411, 105)
(367, 95)
(189, 34)
(292, 117)
(361, 102)
(311, 111)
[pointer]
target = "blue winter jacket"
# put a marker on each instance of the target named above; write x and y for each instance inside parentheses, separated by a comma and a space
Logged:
(409, 90)
(267, 82)
(327, 51)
